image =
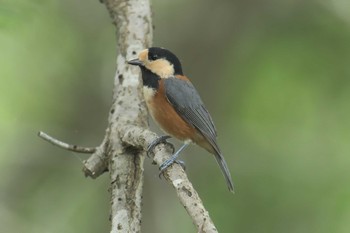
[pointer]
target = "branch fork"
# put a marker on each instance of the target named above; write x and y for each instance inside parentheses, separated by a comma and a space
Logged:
(174, 175)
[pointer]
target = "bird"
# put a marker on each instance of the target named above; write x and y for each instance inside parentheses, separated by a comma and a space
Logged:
(175, 105)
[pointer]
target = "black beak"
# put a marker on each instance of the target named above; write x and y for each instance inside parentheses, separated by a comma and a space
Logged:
(135, 62)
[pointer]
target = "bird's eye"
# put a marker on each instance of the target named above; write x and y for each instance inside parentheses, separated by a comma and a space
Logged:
(153, 57)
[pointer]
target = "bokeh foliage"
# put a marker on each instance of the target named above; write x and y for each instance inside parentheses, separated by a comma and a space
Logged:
(274, 74)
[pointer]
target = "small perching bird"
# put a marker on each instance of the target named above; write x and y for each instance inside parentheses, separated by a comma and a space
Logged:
(176, 106)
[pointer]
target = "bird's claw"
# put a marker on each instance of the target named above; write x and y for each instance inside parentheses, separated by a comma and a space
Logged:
(161, 139)
(168, 163)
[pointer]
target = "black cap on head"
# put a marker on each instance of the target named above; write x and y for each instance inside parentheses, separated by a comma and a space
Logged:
(155, 53)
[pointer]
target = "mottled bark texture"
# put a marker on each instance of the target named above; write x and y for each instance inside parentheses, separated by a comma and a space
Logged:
(127, 137)
(175, 175)
(125, 163)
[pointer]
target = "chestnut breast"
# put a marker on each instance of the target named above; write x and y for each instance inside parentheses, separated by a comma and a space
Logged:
(165, 115)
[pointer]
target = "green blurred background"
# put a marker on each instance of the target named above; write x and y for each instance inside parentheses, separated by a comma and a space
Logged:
(274, 74)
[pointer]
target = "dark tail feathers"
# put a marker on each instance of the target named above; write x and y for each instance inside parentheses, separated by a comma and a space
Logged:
(225, 171)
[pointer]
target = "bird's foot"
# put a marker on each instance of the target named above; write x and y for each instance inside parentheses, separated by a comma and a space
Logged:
(161, 139)
(168, 163)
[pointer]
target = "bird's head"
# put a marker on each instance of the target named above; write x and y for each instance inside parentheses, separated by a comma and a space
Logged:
(159, 61)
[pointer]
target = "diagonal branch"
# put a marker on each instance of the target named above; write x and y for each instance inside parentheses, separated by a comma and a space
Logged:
(175, 176)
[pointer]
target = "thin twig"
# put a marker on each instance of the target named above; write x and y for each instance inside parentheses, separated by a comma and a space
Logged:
(66, 146)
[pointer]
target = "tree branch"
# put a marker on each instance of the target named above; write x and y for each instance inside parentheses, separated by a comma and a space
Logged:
(175, 176)
(95, 165)
(125, 163)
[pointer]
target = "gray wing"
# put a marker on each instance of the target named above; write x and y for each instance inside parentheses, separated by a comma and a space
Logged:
(187, 102)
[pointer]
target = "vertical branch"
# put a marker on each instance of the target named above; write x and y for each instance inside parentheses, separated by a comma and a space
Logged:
(134, 33)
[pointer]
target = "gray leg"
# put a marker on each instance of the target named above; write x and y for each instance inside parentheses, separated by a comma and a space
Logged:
(172, 159)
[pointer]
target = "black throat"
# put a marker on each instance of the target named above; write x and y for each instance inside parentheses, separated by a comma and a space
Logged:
(149, 78)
